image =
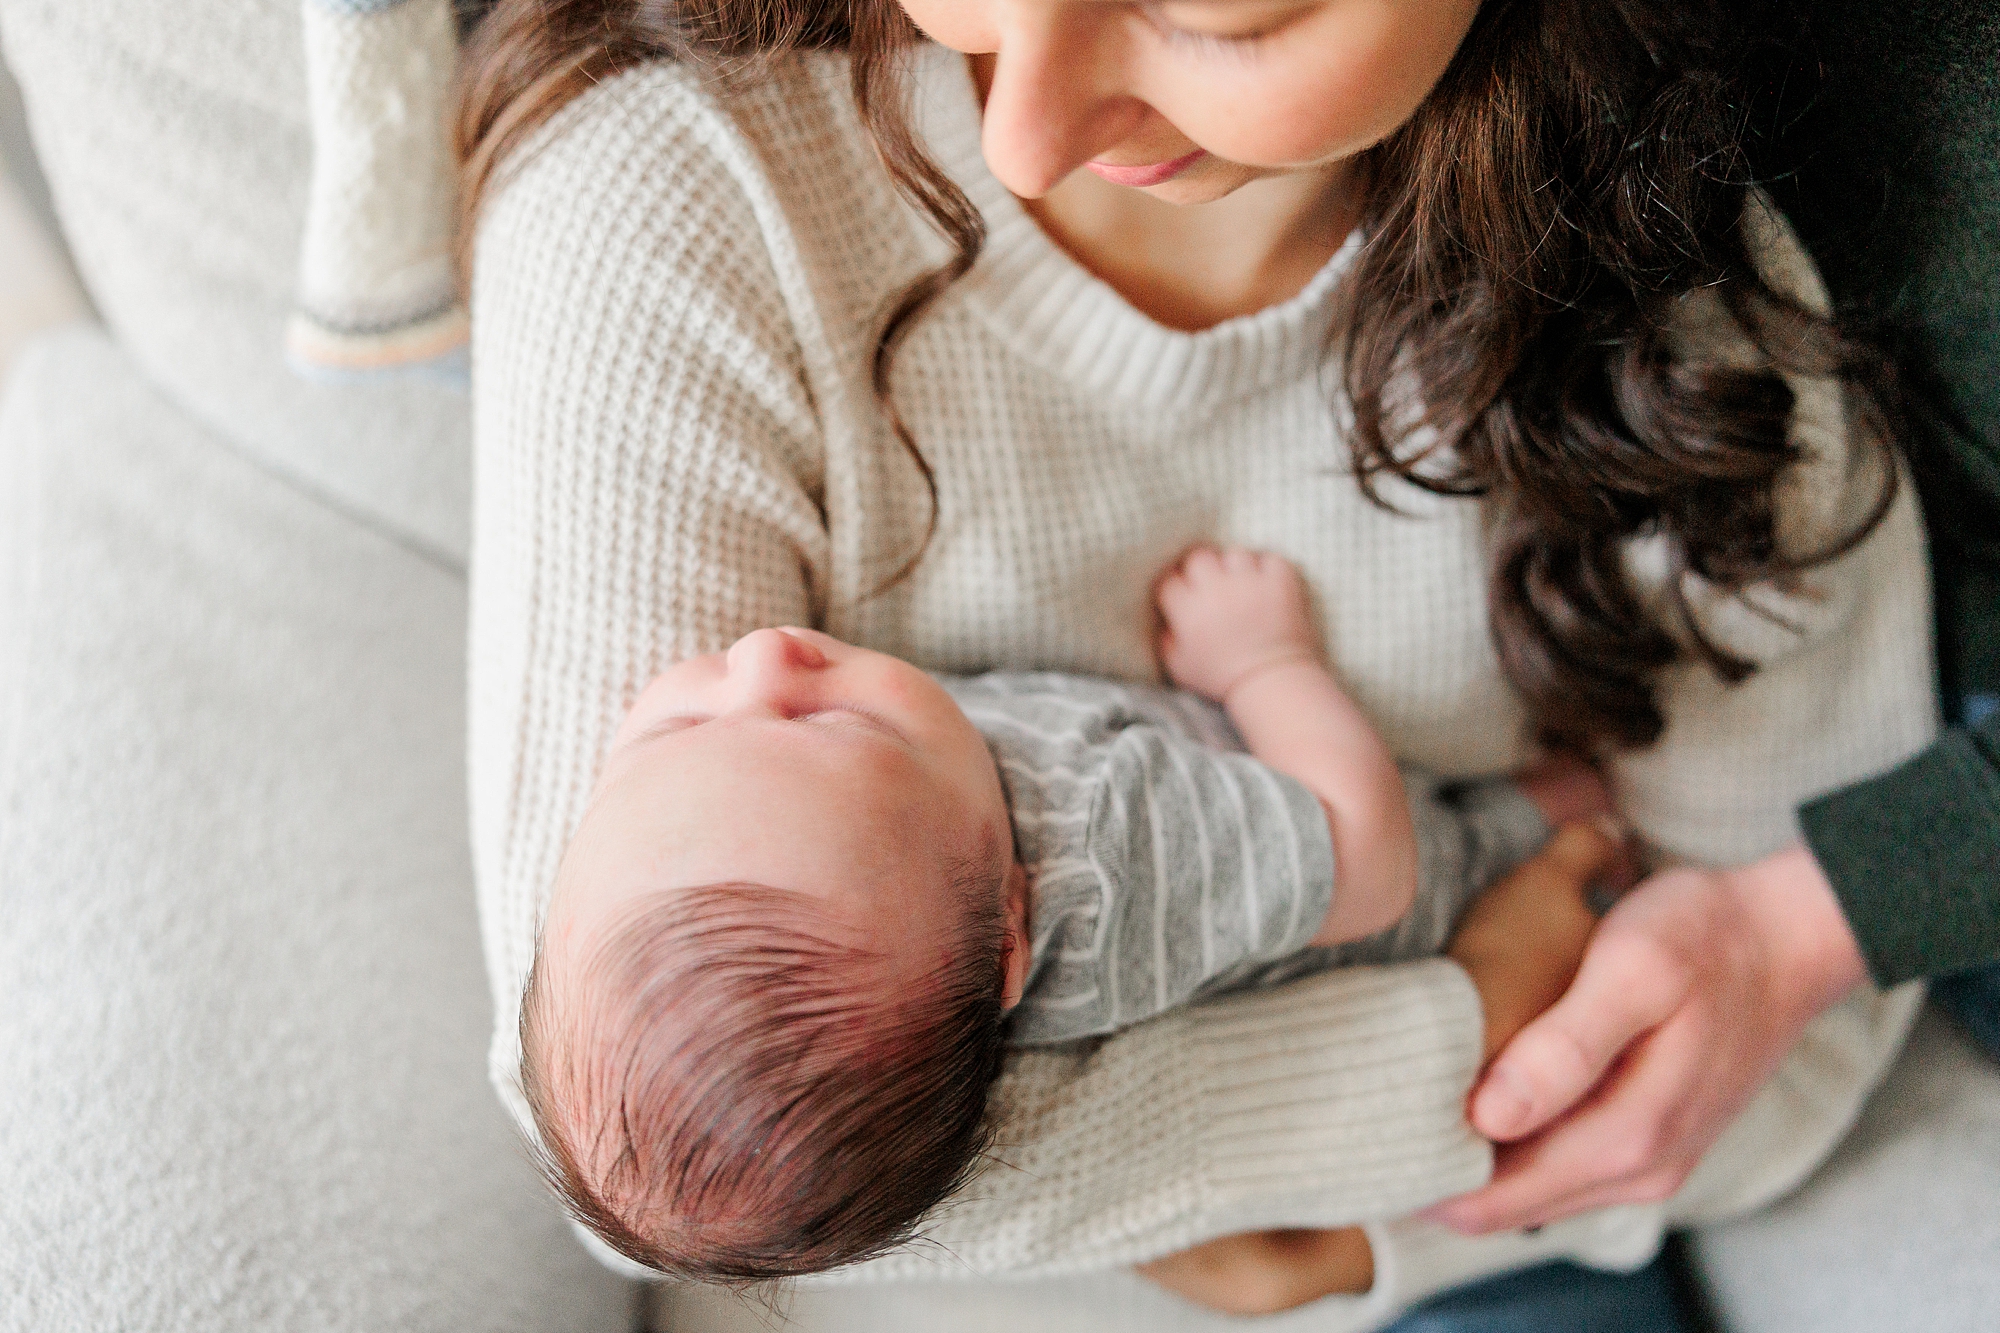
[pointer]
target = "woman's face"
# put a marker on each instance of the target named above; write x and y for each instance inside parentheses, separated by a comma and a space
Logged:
(1190, 99)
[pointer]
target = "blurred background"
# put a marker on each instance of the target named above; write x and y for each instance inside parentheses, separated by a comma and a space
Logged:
(38, 288)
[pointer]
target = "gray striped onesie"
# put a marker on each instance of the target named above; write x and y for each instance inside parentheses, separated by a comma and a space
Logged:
(1165, 864)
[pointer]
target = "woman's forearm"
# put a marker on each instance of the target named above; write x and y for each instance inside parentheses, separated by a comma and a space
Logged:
(1323, 1103)
(1927, 832)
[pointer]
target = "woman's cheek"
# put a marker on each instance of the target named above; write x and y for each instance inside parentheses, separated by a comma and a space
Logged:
(959, 25)
(1297, 118)
(1276, 126)
(1359, 78)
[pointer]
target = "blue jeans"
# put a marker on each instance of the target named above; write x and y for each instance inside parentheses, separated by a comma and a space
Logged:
(1973, 998)
(1555, 1298)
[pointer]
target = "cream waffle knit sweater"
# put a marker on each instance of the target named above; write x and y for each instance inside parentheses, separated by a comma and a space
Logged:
(674, 308)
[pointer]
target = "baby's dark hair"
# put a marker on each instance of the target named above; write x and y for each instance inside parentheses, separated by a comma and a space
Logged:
(725, 1093)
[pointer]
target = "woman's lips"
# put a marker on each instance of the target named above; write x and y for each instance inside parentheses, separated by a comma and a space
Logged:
(1140, 177)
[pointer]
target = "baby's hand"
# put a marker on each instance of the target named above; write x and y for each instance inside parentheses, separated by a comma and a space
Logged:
(1567, 789)
(1570, 790)
(1229, 614)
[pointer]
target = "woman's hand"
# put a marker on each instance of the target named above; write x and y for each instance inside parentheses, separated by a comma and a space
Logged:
(1692, 990)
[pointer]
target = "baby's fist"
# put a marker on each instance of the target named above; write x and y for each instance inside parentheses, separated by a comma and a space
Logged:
(1229, 613)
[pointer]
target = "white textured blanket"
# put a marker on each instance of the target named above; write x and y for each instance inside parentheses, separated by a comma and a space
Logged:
(377, 287)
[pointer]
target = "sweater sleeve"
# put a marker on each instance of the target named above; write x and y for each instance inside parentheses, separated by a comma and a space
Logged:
(648, 478)
(1914, 856)
(645, 473)
(1325, 1102)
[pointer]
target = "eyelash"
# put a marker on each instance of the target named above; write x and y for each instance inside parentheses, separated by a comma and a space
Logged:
(687, 720)
(1244, 46)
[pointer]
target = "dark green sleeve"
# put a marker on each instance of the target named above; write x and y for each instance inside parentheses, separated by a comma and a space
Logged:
(1915, 857)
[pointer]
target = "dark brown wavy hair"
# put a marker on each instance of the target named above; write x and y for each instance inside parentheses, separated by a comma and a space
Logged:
(1580, 169)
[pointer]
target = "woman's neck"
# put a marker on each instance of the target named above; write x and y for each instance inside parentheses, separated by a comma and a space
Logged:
(1192, 267)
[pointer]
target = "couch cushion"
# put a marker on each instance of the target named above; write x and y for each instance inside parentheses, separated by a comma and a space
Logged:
(242, 1079)
(176, 144)
(1898, 1229)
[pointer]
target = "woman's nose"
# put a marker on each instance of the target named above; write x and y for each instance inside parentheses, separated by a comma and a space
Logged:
(768, 664)
(1054, 102)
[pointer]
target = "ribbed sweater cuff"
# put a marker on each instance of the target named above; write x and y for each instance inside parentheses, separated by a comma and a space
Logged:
(1345, 1094)
(1914, 857)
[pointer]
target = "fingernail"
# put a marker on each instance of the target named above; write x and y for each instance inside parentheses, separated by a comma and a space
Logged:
(1502, 1106)
(1612, 827)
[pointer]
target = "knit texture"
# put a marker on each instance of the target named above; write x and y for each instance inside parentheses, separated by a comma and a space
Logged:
(675, 307)
(378, 290)
(1916, 856)
(240, 1045)
(177, 142)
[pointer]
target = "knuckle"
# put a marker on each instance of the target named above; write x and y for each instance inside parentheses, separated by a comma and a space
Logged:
(1566, 1063)
(1658, 1186)
(1637, 1155)
(1656, 974)
(1474, 1215)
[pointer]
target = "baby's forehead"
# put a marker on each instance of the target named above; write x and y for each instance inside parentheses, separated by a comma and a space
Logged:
(837, 815)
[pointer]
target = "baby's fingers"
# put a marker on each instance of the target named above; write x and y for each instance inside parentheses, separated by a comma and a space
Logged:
(1199, 562)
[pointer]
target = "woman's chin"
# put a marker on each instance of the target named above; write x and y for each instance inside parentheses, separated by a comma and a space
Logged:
(1211, 180)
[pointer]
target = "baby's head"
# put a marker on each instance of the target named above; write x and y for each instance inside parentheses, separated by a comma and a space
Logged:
(767, 1007)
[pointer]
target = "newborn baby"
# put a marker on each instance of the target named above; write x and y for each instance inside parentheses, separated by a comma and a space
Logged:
(818, 891)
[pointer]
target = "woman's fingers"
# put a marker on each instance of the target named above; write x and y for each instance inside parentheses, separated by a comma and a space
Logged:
(1630, 1142)
(1693, 989)
(1623, 991)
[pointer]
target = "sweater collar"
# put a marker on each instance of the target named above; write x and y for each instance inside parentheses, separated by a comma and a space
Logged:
(1052, 311)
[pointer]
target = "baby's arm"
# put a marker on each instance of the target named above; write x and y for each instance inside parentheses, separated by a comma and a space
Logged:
(1237, 631)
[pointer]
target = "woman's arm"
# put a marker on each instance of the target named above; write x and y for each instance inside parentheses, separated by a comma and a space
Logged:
(1914, 858)
(1709, 977)
(645, 472)
(647, 478)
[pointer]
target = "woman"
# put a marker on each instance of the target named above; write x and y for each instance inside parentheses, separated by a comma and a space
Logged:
(728, 376)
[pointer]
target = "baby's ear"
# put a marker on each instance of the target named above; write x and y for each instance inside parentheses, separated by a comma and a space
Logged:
(1015, 903)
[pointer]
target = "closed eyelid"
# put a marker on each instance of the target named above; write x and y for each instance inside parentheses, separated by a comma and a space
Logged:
(1260, 21)
(667, 726)
(867, 717)
(850, 713)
